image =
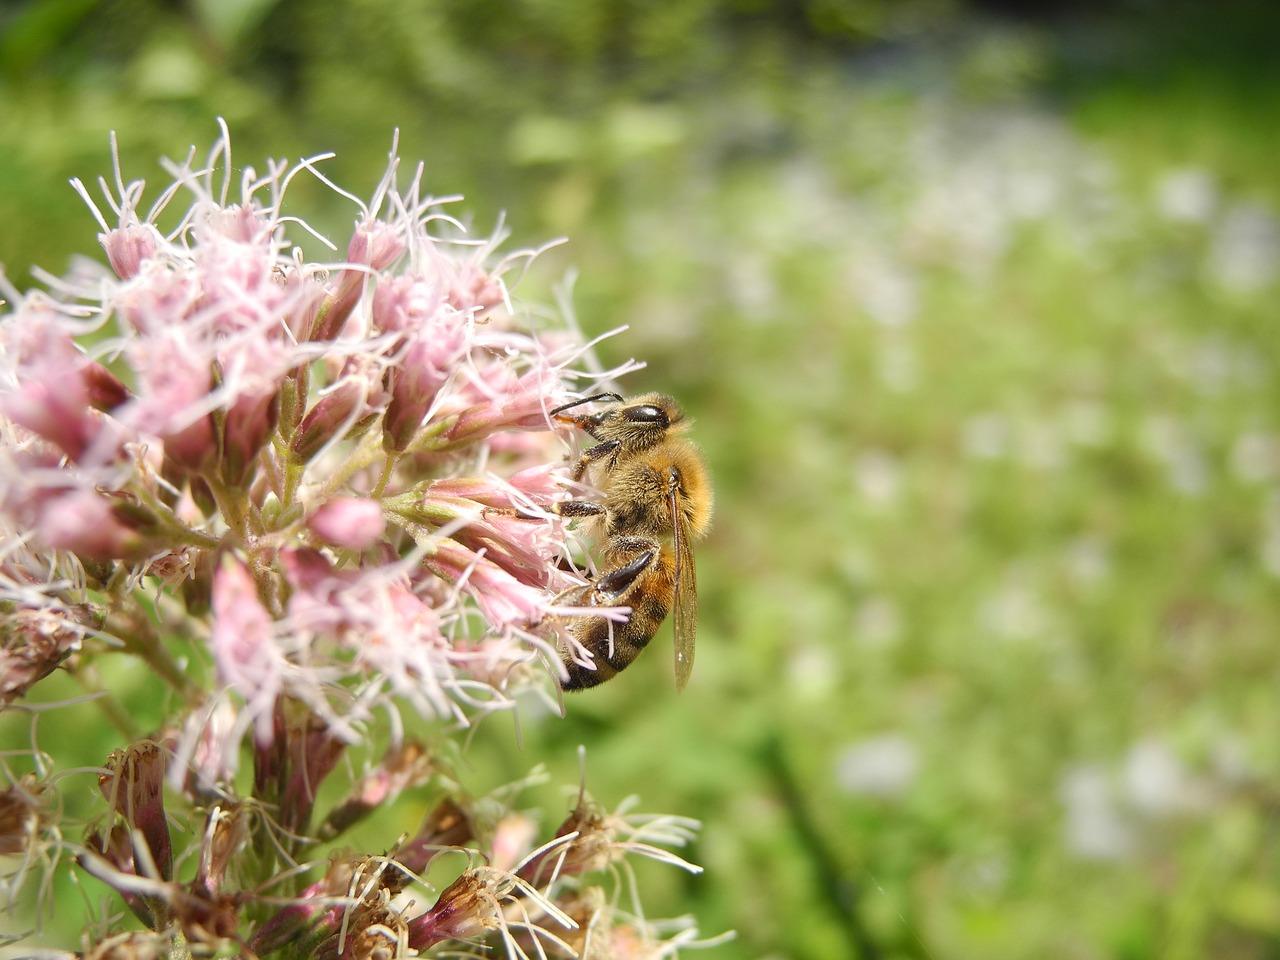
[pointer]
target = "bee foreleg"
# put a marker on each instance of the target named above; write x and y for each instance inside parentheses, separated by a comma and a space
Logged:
(592, 454)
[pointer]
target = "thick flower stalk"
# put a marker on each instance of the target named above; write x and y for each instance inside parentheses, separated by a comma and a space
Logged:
(307, 495)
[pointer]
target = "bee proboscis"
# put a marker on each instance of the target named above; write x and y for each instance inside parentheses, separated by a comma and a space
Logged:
(656, 501)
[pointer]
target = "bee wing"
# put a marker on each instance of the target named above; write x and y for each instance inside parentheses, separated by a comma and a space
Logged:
(686, 601)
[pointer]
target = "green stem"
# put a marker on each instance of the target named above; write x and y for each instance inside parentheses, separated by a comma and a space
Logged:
(364, 455)
(237, 509)
(841, 893)
(387, 467)
(171, 524)
(116, 715)
(140, 638)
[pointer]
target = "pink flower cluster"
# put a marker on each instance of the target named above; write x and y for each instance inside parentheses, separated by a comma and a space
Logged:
(330, 454)
(329, 483)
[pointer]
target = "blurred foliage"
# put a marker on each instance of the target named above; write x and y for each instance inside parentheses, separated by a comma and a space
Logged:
(976, 315)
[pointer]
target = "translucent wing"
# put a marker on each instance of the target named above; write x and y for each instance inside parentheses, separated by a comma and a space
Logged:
(686, 602)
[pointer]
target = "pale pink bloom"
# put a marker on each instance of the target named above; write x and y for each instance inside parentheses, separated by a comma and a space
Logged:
(208, 749)
(174, 380)
(355, 398)
(433, 336)
(161, 295)
(86, 524)
(503, 600)
(374, 246)
(353, 523)
(536, 485)
(508, 401)
(474, 291)
(51, 397)
(245, 651)
(406, 304)
(238, 269)
(394, 633)
(129, 246)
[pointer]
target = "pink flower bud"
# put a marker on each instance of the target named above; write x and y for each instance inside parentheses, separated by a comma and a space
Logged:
(56, 410)
(133, 785)
(243, 641)
(104, 389)
(513, 403)
(512, 839)
(248, 424)
(288, 771)
(403, 766)
(53, 399)
(539, 484)
(466, 909)
(352, 523)
(503, 600)
(329, 414)
(374, 245)
(128, 247)
(413, 387)
(87, 524)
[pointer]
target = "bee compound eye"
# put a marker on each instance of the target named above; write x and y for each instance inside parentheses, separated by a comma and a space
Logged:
(647, 413)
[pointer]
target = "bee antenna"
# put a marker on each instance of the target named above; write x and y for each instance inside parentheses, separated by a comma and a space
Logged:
(592, 399)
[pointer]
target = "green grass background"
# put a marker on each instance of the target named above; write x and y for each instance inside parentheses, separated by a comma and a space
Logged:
(975, 307)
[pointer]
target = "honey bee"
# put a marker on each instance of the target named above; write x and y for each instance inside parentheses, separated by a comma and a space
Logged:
(656, 502)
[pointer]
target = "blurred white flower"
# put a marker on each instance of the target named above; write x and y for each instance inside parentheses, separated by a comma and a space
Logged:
(1096, 828)
(877, 475)
(1255, 457)
(1155, 781)
(883, 766)
(1087, 561)
(985, 436)
(1245, 253)
(877, 622)
(1186, 196)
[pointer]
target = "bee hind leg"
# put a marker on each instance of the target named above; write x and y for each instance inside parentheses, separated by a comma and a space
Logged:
(612, 645)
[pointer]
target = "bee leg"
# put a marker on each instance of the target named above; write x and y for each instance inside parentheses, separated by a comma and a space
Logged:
(589, 456)
(574, 509)
(612, 645)
(614, 583)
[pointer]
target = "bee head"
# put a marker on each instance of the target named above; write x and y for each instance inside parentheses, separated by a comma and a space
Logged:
(637, 423)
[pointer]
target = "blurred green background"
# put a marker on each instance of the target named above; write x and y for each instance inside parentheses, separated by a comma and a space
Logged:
(975, 306)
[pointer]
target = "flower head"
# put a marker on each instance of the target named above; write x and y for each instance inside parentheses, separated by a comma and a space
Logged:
(310, 497)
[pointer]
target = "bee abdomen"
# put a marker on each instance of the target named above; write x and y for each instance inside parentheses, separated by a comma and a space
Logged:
(613, 646)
